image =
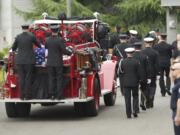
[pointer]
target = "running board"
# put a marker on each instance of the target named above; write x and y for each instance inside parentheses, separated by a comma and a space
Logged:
(68, 100)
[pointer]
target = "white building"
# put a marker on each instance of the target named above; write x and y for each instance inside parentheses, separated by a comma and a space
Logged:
(172, 23)
(10, 22)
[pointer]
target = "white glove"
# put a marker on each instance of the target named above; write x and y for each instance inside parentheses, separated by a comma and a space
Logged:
(158, 77)
(148, 81)
(70, 48)
(10, 50)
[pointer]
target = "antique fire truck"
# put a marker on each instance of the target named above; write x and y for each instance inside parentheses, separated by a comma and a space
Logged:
(87, 75)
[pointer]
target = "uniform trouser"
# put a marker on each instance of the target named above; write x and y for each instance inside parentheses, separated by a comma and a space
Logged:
(162, 85)
(127, 96)
(151, 90)
(176, 128)
(143, 87)
(121, 83)
(55, 81)
(25, 72)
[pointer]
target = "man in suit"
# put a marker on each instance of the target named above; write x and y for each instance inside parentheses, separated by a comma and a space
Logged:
(133, 37)
(115, 36)
(56, 48)
(144, 65)
(131, 77)
(25, 60)
(119, 52)
(154, 69)
(165, 54)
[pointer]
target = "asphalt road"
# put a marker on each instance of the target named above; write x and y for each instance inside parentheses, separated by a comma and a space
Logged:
(61, 120)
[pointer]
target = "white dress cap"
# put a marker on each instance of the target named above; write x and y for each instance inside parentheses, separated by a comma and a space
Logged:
(148, 39)
(152, 32)
(129, 50)
(134, 32)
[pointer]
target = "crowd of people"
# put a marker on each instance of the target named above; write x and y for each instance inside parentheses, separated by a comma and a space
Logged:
(141, 64)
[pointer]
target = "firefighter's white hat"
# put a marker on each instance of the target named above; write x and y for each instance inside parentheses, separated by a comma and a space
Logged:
(129, 50)
(134, 32)
(148, 39)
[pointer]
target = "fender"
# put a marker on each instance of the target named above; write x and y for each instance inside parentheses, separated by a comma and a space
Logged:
(90, 83)
(109, 70)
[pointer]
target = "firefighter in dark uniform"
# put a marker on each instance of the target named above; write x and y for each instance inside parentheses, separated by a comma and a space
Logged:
(114, 38)
(144, 64)
(25, 60)
(119, 52)
(154, 69)
(165, 54)
(56, 48)
(131, 77)
(133, 37)
(175, 98)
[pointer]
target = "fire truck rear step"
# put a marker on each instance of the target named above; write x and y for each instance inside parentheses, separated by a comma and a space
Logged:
(67, 100)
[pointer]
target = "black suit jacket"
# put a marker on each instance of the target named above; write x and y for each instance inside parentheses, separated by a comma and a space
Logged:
(153, 57)
(165, 53)
(119, 50)
(144, 64)
(24, 43)
(56, 48)
(131, 72)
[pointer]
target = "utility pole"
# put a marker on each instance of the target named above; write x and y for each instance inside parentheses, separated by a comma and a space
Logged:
(68, 5)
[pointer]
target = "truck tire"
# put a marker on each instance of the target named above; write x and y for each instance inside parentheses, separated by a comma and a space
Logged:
(80, 108)
(92, 107)
(23, 109)
(110, 99)
(11, 110)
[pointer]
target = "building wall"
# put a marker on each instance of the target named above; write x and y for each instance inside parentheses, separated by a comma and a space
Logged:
(6, 20)
(170, 3)
(10, 22)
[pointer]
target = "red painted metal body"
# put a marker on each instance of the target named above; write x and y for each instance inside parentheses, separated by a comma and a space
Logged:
(72, 33)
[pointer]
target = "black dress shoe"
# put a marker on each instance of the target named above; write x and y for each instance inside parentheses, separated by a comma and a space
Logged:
(22, 98)
(135, 115)
(60, 97)
(28, 98)
(169, 93)
(129, 117)
(52, 97)
(143, 107)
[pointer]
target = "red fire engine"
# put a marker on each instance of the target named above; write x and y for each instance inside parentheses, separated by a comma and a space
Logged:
(87, 76)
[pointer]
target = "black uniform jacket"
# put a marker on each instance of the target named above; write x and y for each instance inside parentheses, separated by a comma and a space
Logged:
(144, 64)
(119, 50)
(175, 94)
(24, 43)
(176, 52)
(153, 57)
(114, 39)
(165, 53)
(56, 48)
(131, 72)
(132, 40)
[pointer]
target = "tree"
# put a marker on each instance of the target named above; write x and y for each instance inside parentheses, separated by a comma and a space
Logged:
(53, 8)
(143, 15)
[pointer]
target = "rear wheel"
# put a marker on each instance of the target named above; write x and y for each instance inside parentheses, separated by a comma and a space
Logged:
(80, 108)
(14, 110)
(23, 109)
(11, 110)
(92, 107)
(110, 98)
